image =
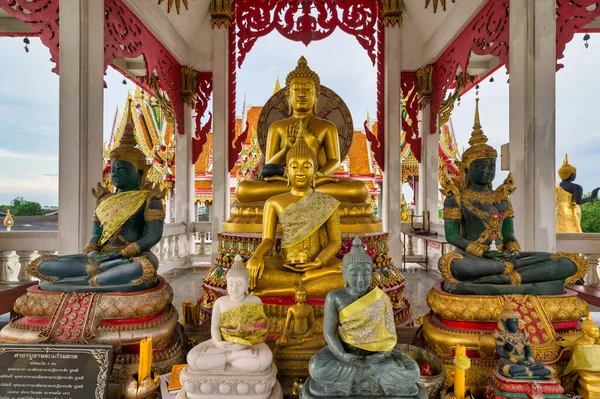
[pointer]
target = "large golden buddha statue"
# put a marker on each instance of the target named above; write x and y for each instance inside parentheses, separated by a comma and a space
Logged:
(302, 87)
(311, 234)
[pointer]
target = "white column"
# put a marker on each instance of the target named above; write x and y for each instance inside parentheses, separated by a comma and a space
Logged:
(220, 180)
(392, 185)
(428, 169)
(184, 181)
(80, 119)
(532, 121)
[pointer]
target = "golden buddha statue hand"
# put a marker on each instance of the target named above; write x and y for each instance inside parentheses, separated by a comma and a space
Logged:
(516, 358)
(311, 235)
(479, 223)
(299, 324)
(569, 196)
(127, 224)
(302, 87)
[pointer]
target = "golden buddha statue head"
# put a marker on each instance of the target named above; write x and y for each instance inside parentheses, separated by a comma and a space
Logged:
(566, 170)
(302, 88)
(589, 328)
(300, 164)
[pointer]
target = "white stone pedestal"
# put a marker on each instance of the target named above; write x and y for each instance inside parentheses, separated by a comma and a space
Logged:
(229, 384)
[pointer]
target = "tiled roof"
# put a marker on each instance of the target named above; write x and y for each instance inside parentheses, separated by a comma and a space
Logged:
(202, 164)
(359, 156)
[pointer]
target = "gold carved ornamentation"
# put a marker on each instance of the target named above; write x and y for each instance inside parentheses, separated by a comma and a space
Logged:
(452, 213)
(130, 250)
(512, 245)
(444, 265)
(447, 106)
(148, 271)
(392, 12)
(188, 85)
(583, 265)
(435, 4)
(220, 13)
(424, 87)
(476, 249)
(509, 269)
(177, 3)
(33, 268)
(566, 170)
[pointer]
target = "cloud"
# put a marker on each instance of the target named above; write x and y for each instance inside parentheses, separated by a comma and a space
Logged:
(4, 153)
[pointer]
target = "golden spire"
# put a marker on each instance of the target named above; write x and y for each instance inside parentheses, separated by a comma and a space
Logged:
(277, 86)
(367, 118)
(566, 170)
(479, 148)
(126, 149)
(8, 220)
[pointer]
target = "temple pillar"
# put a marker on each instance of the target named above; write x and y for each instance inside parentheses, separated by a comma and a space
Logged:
(220, 102)
(184, 181)
(428, 168)
(80, 119)
(532, 121)
(392, 176)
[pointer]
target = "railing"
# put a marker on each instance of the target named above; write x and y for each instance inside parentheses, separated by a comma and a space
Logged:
(202, 238)
(18, 248)
(587, 244)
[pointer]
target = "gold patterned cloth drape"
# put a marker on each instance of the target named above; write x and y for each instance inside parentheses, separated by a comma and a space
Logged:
(245, 324)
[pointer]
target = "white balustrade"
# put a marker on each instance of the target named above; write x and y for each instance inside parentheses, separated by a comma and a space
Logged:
(4, 265)
(25, 257)
(587, 244)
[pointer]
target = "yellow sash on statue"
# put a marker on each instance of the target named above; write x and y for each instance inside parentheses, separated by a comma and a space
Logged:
(368, 322)
(116, 210)
(244, 324)
(584, 358)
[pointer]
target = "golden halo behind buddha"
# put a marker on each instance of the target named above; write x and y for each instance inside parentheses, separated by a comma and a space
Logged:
(566, 170)
(479, 148)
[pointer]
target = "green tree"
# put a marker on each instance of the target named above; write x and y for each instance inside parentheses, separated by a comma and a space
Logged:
(590, 216)
(17, 201)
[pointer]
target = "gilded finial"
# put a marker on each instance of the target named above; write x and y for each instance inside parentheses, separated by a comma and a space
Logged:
(301, 150)
(277, 86)
(8, 220)
(479, 148)
(566, 170)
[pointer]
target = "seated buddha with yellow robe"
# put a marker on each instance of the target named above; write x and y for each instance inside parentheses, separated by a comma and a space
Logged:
(302, 88)
(311, 234)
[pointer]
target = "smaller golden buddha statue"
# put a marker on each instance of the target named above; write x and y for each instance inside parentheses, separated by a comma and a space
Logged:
(311, 234)
(299, 325)
(302, 86)
(569, 196)
(405, 214)
(583, 371)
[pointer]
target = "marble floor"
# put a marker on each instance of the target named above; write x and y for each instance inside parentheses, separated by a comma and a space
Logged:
(187, 286)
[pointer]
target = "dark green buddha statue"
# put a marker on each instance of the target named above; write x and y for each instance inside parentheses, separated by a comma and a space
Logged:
(127, 224)
(478, 221)
(516, 357)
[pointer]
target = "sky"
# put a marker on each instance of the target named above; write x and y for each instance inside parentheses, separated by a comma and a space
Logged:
(29, 104)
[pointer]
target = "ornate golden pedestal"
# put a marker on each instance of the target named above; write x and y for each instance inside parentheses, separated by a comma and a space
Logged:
(551, 322)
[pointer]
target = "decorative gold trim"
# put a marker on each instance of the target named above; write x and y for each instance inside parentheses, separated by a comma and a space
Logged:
(131, 250)
(188, 85)
(94, 281)
(452, 213)
(476, 249)
(444, 266)
(583, 265)
(154, 214)
(91, 247)
(424, 87)
(392, 12)
(33, 268)
(92, 269)
(220, 13)
(512, 246)
(148, 270)
(509, 269)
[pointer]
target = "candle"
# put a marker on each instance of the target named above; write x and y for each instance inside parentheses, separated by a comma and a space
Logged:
(461, 364)
(145, 359)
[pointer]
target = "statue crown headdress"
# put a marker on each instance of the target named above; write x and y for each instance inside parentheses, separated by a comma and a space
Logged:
(126, 150)
(238, 269)
(301, 150)
(566, 170)
(303, 70)
(509, 312)
(479, 148)
(357, 254)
